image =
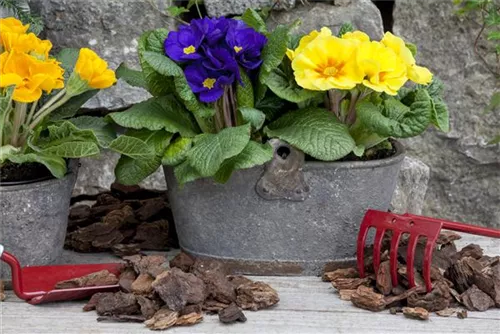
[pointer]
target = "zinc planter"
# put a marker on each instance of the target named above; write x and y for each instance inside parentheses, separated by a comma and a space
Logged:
(232, 222)
(34, 217)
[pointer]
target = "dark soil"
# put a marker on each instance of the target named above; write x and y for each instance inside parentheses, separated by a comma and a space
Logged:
(10, 172)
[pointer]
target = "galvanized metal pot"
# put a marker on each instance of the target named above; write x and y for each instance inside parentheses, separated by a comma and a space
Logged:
(234, 223)
(34, 218)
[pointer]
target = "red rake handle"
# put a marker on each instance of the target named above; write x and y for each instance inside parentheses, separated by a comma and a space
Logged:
(460, 227)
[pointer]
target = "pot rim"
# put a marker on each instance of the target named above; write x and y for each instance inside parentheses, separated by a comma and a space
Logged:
(392, 160)
(72, 165)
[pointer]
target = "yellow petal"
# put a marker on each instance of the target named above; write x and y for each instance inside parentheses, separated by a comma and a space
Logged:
(356, 35)
(11, 24)
(26, 95)
(419, 74)
(10, 79)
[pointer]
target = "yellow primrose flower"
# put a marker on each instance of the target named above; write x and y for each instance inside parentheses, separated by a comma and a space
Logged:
(357, 36)
(11, 24)
(415, 73)
(327, 63)
(94, 70)
(304, 41)
(21, 42)
(30, 75)
(384, 70)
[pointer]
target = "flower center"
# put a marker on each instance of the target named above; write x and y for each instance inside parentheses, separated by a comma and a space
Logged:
(237, 48)
(209, 83)
(330, 71)
(190, 49)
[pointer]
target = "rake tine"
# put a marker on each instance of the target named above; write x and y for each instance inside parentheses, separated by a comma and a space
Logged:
(377, 245)
(360, 252)
(393, 256)
(412, 243)
(429, 247)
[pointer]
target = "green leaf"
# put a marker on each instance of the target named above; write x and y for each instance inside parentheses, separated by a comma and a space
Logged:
(102, 130)
(494, 102)
(68, 58)
(156, 40)
(396, 119)
(159, 140)
(5, 106)
(315, 131)
(56, 165)
(435, 88)
(440, 117)
(185, 173)
(272, 106)
(70, 108)
(177, 151)
(157, 113)
(162, 64)
(359, 150)
(244, 93)
(345, 28)
(157, 84)
(77, 149)
(253, 116)
(254, 20)
(254, 154)
(210, 150)
(495, 140)
(190, 100)
(6, 151)
(130, 171)
(413, 48)
(132, 147)
(288, 89)
(177, 11)
(132, 77)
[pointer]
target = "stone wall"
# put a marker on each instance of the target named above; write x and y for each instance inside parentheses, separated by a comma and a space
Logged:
(464, 172)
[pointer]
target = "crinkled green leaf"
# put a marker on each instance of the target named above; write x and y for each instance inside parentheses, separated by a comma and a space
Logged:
(68, 57)
(253, 116)
(132, 147)
(272, 106)
(244, 93)
(158, 113)
(75, 149)
(162, 64)
(159, 140)
(185, 173)
(56, 165)
(156, 40)
(130, 171)
(6, 151)
(315, 131)
(288, 89)
(175, 11)
(103, 131)
(440, 117)
(190, 100)
(254, 20)
(395, 119)
(254, 154)
(132, 77)
(5, 106)
(345, 28)
(210, 150)
(177, 151)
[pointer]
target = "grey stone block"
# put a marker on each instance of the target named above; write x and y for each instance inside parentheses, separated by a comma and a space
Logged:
(217, 8)
(411, 187)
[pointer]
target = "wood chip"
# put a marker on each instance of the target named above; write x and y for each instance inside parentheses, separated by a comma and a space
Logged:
(476, 300)
(162, 319)
(461, 273)
(416, 313)
(366, 298)
(438, 299)
(350, 283)
(148, 306)
(127, 277)
(122, 250)
(150, 208)
(142, 284)
(106, 199)
(462, 314)
(471, 250)
(384, 281)
(182, 261)
(340, 273)
(214, 275)
(346, 294)
(231, 314)
(119, 303)
(447, 236)
(256, 296)
(92, 303)
(177, 289)
(447, 312)
(213, 306)
(103, 277)
(395, 310)
(151, 264)
(238, 280)
(121, 318)
(189, 319)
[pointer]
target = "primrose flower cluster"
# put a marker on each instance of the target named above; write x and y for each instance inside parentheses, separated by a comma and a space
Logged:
(213, 50)
(26, 64)
(323, 62)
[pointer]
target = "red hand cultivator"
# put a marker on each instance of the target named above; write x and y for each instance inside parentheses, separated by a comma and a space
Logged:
(415, 227)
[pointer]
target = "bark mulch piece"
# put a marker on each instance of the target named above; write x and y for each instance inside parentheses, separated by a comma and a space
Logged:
(163, 297)
(99, 278)
(125, 215)
(182, 261)
(460, 278)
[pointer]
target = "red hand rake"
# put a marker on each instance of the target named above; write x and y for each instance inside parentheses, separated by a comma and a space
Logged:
(36, 284)
(415, 226)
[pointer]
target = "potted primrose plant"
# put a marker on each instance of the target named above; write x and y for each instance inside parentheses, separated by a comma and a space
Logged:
(274, 145)
(40, 140)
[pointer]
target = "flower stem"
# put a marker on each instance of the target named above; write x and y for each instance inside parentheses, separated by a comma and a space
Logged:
(32, 111)
(351, 115)
(40, 116)
(4, 119)
(19, 118)
(198, 8)
(334, 97)
(51, 102)
(226, 107)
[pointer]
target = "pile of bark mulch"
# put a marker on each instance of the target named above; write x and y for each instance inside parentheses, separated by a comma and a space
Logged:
(125, 220)
(465, 280)
(164, 295)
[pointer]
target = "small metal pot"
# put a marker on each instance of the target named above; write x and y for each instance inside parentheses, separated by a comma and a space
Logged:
(300, 234)
(34, 218)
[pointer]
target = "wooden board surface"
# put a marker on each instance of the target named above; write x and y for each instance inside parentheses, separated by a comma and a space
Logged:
(307, 305)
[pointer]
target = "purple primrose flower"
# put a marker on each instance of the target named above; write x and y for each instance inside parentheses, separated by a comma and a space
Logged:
(184, 44)
(246, 43)
(213, 30)
(208, 84)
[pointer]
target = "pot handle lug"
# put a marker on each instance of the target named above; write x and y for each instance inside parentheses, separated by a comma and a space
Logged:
(283, 177)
